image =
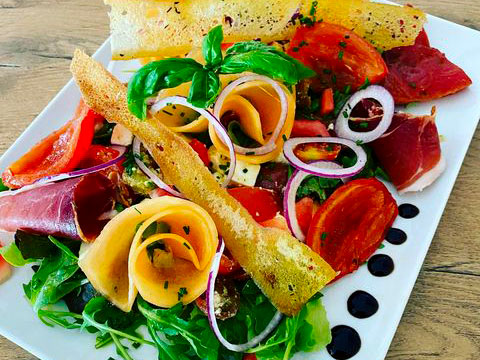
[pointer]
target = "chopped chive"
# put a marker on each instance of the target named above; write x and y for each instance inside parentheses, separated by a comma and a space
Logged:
(186, 245)
(165, 285)
(323, 236)
(167, 112)
(343, 44)
(186, 229)
(137, 210)
(250, 153)
(340, 54)
(284, 137)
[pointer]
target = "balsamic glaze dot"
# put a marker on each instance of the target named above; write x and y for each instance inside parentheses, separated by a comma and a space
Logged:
(408, 211)
(362, 305)
(396, 236)
(380, 265)
(345, 342)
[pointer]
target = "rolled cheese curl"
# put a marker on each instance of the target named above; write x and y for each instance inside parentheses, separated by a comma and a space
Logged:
(193, 239)
(106, 261)
(258, 107)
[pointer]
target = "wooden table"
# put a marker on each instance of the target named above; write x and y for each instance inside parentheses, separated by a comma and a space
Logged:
(442, 319)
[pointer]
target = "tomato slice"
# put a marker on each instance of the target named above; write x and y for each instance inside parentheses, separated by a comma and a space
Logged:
(201, 149)
(317, 151)
(304, 210)
(309, 128)
(339, 56)
(327, 103)
(228, 265)
(97, 155)
(260, 203)
(59, 152)
(350, 225)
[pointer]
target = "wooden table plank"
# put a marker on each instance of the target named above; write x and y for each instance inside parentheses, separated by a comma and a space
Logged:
(442, 319)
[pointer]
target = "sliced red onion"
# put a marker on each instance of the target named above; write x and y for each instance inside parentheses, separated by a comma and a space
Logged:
(327, 172)
(270, 145)
(377, 93)
(211, 309)
(219, 128)
(72, 174)
(289, 196)
(154, 177)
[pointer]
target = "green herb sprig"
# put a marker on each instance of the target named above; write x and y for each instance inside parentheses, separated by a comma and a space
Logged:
(252, 56)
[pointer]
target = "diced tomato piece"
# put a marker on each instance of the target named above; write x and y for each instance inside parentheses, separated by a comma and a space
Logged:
(350, 225)
(327, 104)
(202, 151)
(260, 203)
(317, 151)
(228, 265)
(278, 222)
(338, 55)
(309, 128)
(59, 152)
(249, 357)
(422, 39)
(421, 73)
(159, 192)
(304, 210)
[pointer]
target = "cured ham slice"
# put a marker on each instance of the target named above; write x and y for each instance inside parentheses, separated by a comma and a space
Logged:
(422, 73)
(410, 151)
(71, 208)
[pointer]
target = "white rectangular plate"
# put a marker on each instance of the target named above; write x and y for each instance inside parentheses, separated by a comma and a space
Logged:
(457, 119)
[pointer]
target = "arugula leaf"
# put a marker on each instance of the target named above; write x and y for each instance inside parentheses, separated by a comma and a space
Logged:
(317, 187)
(53, 280)
(65, 319)
(14, 257)
(193, 333)
(204, 89)
(2, 186)
(155, 76)
(212, 47)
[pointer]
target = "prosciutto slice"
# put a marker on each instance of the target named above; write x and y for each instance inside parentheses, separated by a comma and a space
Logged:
(71, 208)
(410, 151)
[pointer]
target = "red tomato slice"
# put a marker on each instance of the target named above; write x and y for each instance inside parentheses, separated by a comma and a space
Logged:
(421, 73)
(97, 155)
(317, 151)
(304, 210)
(5, 269)
(339, 56)
(260, 203)
(59, 152)
(277, 222)
(327, 103)
(350, 225)
(228, 265)
(249, 357)
(309, 128)
(202, 151)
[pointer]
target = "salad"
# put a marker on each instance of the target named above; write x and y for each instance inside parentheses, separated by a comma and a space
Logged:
(201, 208)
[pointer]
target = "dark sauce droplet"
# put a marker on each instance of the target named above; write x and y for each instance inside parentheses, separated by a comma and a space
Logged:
(380, 265)
(396, 236)
(362, 305)
(345, 342)
(408, 211)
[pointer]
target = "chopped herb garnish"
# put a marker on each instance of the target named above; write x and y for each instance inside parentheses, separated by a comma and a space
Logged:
(119, 207)
(183, 291)
(363, 125)
(165, 285)
(381, 246)
(327, 71)
(359, 142)
(412, 85)
(284, 137)
(343, 44)
(137, 210)
(245, 171)
(167, 112)
(186, 229)
(296, 49)
(365, 84)
(186, 245)
(303, 43)
(323, 236)
(340, 54)
(345, 114)
(250, 153)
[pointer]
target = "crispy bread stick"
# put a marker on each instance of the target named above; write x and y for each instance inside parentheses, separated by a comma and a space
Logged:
(287, 271)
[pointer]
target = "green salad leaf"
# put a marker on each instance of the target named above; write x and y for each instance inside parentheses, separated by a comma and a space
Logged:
(2, 186)
(317, 187)
(14, 256)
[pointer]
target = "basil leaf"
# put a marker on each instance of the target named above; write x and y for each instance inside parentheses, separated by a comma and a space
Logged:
(155, 76)
(212, 47)
(205, 88)
(273, 64)
(3, 187)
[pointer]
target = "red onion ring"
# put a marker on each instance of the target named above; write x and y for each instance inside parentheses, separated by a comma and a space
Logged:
(271, 144)
(180, 100)
(211, 309)
(377, 93)
(327, 172)
(150, 173)
(289, 196)
(72, 174)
